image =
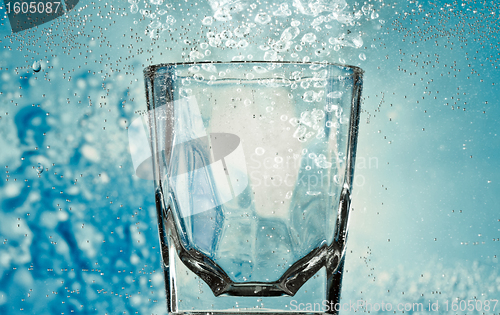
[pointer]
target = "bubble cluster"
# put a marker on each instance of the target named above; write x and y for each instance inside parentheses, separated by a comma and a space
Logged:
(292, 30)
(309, 124)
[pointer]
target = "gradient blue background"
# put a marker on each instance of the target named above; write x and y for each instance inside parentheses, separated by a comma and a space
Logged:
(81, 237)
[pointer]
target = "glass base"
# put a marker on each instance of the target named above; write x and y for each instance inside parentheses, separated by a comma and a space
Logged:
(187, 293)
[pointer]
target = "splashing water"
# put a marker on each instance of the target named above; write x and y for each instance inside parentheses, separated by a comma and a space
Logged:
(297, 30)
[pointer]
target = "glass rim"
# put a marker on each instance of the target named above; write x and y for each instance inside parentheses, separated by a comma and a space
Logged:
(153, 68)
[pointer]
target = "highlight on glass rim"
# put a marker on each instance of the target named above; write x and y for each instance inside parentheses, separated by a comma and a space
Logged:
(250, 157)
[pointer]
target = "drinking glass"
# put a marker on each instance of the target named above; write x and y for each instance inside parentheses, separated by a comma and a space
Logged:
(253, 165)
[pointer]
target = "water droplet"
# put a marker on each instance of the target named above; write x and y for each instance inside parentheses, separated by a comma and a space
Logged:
(37, 66)
(39, 169)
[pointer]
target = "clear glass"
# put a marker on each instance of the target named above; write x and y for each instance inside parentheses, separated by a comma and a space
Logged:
(253, 165)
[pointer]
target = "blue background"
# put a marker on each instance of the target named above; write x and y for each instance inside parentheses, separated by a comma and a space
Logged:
(78, 229)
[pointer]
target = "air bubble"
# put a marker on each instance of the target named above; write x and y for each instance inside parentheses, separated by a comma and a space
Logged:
(198, 77)
(262, 18)
(134, 8)
(309, 38)
(271, 56)
(259, 69)
(209, 67)
(300, 132)
(283, 10)
(313, 193)
(336, 94)
(207, 20)
(259, 151)
(241, 31)
(194, 69)
(336, 179)
(37, 66)
(170, 20)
